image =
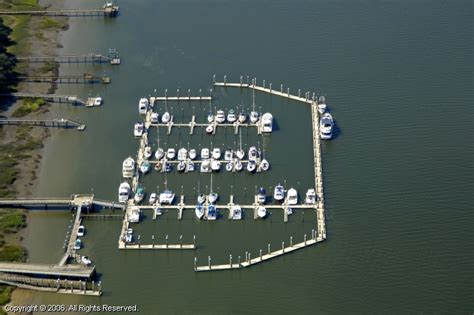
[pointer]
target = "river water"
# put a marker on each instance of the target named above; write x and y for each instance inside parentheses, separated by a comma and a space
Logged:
(397, 176)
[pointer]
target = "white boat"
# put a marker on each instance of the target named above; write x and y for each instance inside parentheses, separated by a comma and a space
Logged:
(267, 123)
(322, 108)
(158, 211)
(190, 166)
(261, 196)
(228, 154)
(242, 117)
(210, 117)
(205, 166)
(134, 216)
(124, 192)
(145, 167)
(78, 244)
(325, 126)
(216, 153)
(231, 116)
(154, 118)
(166, 117)
(192, 154)
(167, 197)
(210, 129)
(292, 196)
(240, 154)
(205, 153)
(147, 153)
(98, 101)
(201, 199)
(322, 99)
(220, 117)
(128, 167)
(238, 166)
(143, 106)
(159, 154)
(261, 212)
(229, 166)
(138, 129)
(254, 117)
(199, 211)
(182, 154)
(128, 238)
(139, 195)
(153, 198)
(279, 193)
(289, 211)
(85, 260)
(171, 154)
(212, 197)
(251, 166)
(253, 154)
(211, 212)
(181, 166)
(310, 197)
(215, 165)
(236, 212)
(264, 165)
(167, 167)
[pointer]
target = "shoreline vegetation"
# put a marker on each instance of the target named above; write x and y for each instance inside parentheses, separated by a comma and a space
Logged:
(21, 146)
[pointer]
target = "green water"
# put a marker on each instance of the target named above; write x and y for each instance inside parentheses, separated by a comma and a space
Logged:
(398, 176)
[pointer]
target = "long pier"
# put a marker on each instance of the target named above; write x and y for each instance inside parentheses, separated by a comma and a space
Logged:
(72, 99)
(84, 58)
(58, 123)
(109, 11)
(73, 201)
(154, 99)
(68, 79)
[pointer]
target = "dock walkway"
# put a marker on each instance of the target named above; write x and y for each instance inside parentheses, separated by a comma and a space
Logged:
(72, 99)
(110, 11)
(57, 123)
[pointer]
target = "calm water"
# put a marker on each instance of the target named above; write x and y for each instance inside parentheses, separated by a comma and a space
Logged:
(398, 176)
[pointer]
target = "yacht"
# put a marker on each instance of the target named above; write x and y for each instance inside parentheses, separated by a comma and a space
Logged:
(261, 212)
(153, 198)
(231, 117)
(98, 101)
(171, 154)
(220, 117)
(166, 117)
(190, 166)
(192, 154)
(145, 167)
(325, 126)
(261, 196)
(279, 193)
(182, 154)
(128, 167)
(124, 192)
(159, 154)
(212, 197)
(199, 211)
(147, 153)
(310, 197)
(242, 117)
(154, 118)
(201, 199)
(236, 212)
(211, 212)
(139, 194)
(253, 117)
(205, 166)
(267, 123)
(216, 153)
(229, 166)
(253, 154)
(181, 166)
(166, 197)
(292, 196)
(205, 154)
(134, 216)
(215, 165)
(138, 129)
(251, 166)
(264, 165)
(228, 155)
(238, 166)
(143, 106)
(210, 129)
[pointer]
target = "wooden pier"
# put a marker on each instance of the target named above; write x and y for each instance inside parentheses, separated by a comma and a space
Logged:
(67, 202)
(53, 98)
(154, 99)
(87, 78)
(109, 11)
(57, 123)
(85, 58)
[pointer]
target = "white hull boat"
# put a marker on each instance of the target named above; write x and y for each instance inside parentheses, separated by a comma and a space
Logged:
(310, 197)
(326, 126)
(205, 166)
(264, 165)
(267, 123)
(182, 154)
(215, 165)
(279, 193)
(165, 118)
(124, 192)
(220, 117)
(190, 166)
(292, 196)
(159, 154)
(181, 166)
(128, 167)
(143, 106)
(147, 153)
(199, 211)
(153, 198)
(171, 154)
(205, 154)
(154, 118)
(236, 212)
(210, 118)
(216, 153)
(134, 216)
(229, 167)
(231, 117)
(261, 212)
(167, 197)
(212, 197)
(138, 130)
(238, 166)
(211, 212)
(242, 118)
(251, 166)
(240, 154)
(253, 117)
(192, 154)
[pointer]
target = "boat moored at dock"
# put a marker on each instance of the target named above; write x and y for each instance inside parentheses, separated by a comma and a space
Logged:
(143, 106)
(326, 125)
(128, 167)
(124, 192)
(267, 123)
(138, 129)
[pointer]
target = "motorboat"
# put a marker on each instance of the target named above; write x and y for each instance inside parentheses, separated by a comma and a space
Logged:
(310, 197)
(167, 197)
(129, 238)
(251, 166)
(134, 216)
(261, 196)
(86, 261)
(205, 153)
(158, 166)
(325, 126)
(167, 167)
(81, 231)
(205, 166)
(210, 117)
(253, 154)
(171, 154)
(242, 117)
(212, 197)
(264, 165)
(238, 166)
(139, 194)
(240, 154)
(210, 129)
(147, 153)
(192, 154)
(215, 165)
(166, 117)
(261, 212)
(159, 154)
(254, 117)
(190, 166)
(124, 192)
(145, 167)
(181, 166)
(289, 211)
(211, 212)
(220, 117)
(228, 155)
(98, 101)
(229, 166)
(322, 108)
(201, 199)
(267, 123)
(138, 129)
(292, 196)
(143, 106)
(78, 244)
(231, 116)
(199, 211)
(128, 167)
(236, 212)
(158, 211)
(216, 153)
(153, 198)
(154, 118)
(279, 193)
(182, 154)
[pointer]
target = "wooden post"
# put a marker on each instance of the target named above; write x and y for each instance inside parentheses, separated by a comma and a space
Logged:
(270, 87)
(230, 260)
(260, 255)
(195, 263)
(250, 260)
(209, 262)
(239, 261)
(313, 236)
(281, 88)
(268, 246)
(194, 241)
(305, 239)
(283, 247)
(291, 241)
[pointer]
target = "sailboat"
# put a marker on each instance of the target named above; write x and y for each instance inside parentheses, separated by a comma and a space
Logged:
(201, 199)
(253, 114)
(240, 154)
(159, 151)
(210, 116)
(212, 195)
(165, 118)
